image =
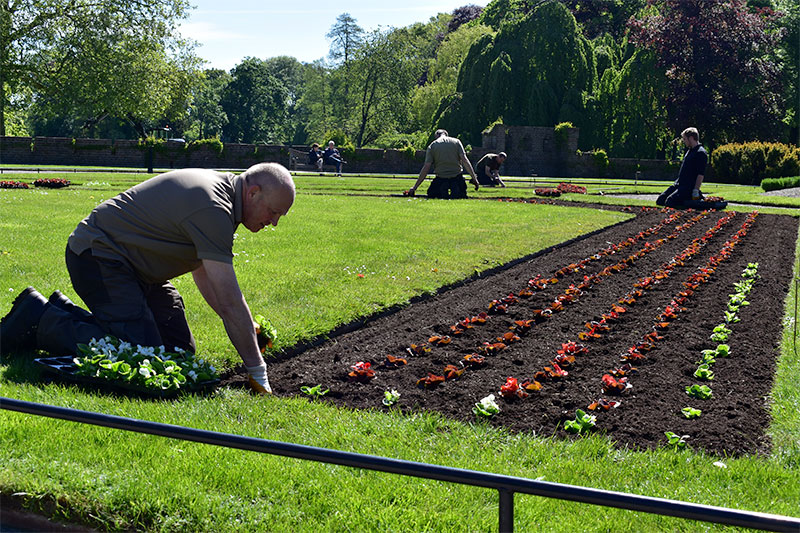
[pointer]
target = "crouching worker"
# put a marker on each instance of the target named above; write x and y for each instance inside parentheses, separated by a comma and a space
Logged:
(685, 192)
(121, 257)
(447, 157)
(488, 169)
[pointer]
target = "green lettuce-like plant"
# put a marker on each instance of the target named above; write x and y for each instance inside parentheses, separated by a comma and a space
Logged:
(314, 392)
(691, 412)
(721, 333)
(731, 317)
(704, 372)
(675, 441)
(702, 392)
(583, 422)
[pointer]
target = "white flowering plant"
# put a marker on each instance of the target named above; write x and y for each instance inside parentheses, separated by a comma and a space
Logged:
(487, 407)
(150, 367)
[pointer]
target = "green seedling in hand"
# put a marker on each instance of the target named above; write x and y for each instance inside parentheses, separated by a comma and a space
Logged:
(266, 334)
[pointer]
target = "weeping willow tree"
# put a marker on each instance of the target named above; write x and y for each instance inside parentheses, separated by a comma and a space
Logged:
(632, 111)
(536, 71)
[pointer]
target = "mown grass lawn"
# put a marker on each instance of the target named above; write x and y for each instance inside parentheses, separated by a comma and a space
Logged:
(304, 275)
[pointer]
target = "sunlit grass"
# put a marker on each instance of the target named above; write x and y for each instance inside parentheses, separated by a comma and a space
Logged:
(304, 275)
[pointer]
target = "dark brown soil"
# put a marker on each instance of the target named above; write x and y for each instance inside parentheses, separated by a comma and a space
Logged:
(733, 420)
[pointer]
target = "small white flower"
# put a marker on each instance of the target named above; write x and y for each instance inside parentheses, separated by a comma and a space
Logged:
(720, 464)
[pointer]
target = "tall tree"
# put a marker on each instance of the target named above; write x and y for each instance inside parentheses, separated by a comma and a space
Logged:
(535, 71)
(346, 37)
(207, 112)
(255, 103)
(716, 56)
(107, 57)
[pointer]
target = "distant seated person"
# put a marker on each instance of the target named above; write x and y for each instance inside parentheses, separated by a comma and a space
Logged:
(315, 156)
(685, 192)
(333, 157)
(488, 169)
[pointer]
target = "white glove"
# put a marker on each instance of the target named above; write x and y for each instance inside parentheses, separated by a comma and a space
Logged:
(258, 380)
(695, 194)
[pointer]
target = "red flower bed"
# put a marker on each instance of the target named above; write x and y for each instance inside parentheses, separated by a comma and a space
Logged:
(608, 324)
(52, 183)
(13, 185)
(568, 187)
(549, 192)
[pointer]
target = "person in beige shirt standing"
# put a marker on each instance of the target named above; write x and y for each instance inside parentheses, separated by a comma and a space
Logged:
(121, 257)
(449, 160)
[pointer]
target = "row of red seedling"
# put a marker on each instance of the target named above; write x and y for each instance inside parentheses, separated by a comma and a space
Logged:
(477, 360)
(596, 329)
(571, 294)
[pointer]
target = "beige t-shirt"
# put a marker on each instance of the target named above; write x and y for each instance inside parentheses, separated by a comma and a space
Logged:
(445, 155)
(166, 225)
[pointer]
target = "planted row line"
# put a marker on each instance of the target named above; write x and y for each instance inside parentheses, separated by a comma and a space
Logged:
(616, 382)
(566, 356)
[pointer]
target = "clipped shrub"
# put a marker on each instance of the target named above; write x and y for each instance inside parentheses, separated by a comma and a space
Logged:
(561, 132)
(213, 142)
(752, 162)
(600, 159)
(776, 184)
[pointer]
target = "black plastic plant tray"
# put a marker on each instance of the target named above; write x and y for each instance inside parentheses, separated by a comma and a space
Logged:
(65, 368)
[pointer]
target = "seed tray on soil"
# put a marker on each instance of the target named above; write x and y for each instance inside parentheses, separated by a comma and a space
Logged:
(733, 420)
(65, 368)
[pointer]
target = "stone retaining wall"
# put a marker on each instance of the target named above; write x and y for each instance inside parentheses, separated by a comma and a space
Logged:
(531, 151)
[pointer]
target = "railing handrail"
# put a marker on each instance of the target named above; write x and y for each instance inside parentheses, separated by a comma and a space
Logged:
(507, 485)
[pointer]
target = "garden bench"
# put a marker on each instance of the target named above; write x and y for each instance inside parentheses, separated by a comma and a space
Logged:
(298, 160)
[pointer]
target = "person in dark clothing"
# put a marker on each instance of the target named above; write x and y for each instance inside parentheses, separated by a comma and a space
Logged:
(488, 169)
(333, 157)
(315, 156)
(685, 192)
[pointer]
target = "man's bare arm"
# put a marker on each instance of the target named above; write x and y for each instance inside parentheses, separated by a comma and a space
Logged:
(218, 284)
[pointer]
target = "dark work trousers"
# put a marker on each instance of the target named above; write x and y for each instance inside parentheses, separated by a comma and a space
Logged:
(448, 188)
(121, 305)
(677, 198)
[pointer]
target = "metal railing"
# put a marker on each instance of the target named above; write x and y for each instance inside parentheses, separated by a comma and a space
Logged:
(507, 486)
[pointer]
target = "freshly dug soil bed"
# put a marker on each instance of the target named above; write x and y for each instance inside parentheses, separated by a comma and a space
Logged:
(733, 420)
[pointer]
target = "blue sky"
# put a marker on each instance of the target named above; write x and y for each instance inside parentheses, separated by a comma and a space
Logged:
(227, 32)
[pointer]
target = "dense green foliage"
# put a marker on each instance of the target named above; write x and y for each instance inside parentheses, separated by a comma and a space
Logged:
(629, 74)
(750, 163)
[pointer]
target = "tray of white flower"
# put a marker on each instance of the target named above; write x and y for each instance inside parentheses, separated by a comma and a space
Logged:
(149, 370)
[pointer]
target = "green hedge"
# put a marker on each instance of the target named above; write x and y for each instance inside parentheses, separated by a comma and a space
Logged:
(750, 163)
(774, 184)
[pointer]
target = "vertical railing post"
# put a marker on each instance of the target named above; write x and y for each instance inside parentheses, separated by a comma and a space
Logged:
(506, 511)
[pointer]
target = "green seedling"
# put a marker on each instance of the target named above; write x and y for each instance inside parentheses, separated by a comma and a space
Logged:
(723, 350)
(708, 358)
(704, 372)
(731, 317)
(720, 333)
(390, 397)
(675, 441)
(266, 334)
(314, 392)
(583, 422)
(702, 392)
(691, 412)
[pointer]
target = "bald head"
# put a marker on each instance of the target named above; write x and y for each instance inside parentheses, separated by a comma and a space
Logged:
(268, 195)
